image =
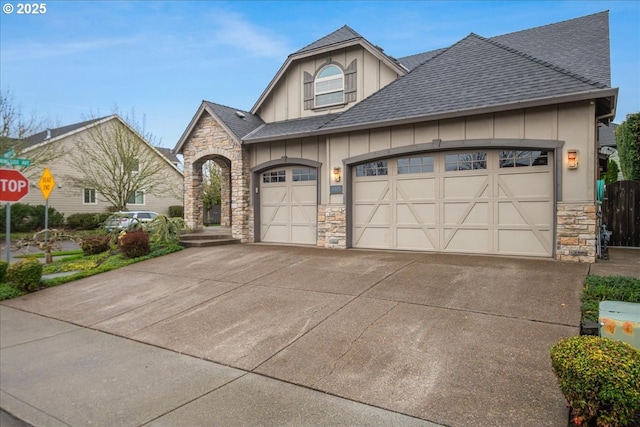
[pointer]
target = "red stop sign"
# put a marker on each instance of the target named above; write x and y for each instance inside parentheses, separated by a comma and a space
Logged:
(13, 185)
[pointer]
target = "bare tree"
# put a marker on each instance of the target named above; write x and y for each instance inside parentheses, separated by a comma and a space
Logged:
(115, 157)
(16, 131)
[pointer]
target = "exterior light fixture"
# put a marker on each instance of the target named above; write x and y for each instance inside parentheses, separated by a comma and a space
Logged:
(572, 159)
(336, 174)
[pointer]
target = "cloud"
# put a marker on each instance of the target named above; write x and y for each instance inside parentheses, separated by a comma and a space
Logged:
(35, 50)
(232, 30)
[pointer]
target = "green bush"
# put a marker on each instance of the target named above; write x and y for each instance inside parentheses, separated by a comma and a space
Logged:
(95, 244)
(134, 244)
(26, 217)
(25, 275)
(163, 229)
(3, 271)
(176, 211)
(87, 221)
(610, 288)
(600, 378)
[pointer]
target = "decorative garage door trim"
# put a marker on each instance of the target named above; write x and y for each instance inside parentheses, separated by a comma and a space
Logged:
(285, 163)
(497, 183)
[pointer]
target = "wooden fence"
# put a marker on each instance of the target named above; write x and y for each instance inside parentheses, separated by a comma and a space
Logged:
(212, 216)
(621, 213)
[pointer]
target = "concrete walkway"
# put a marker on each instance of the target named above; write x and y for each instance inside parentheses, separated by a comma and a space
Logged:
(273, 335)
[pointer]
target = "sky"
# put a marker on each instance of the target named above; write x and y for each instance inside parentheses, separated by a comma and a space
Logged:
(157, 60)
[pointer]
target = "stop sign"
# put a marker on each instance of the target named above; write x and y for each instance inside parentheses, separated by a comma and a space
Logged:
(13, 185)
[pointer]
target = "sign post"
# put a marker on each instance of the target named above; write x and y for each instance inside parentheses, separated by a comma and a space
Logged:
(13, 187)
(46, 184)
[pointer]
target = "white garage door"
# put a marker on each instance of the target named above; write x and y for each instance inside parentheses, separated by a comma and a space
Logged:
(288, 205)
(496, 202)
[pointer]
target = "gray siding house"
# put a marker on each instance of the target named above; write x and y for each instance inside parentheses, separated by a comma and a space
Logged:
(488, 146)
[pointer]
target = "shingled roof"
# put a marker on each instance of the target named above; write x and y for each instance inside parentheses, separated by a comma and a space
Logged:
(476, 72)
(341, 35)
(48, 134)
(239, 122)
(289, 127)
(412, 61)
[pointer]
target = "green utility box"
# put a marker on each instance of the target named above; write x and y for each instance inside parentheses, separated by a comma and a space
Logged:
(620, 321)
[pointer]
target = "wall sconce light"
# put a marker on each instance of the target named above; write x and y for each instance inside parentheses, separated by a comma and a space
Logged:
(336, 174)
(572, 159)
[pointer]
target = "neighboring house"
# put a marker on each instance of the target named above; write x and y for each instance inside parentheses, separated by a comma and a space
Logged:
(608, 146)
(488, 146)
(69, 199)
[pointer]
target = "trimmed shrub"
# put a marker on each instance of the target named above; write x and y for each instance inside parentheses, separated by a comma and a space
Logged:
(134, 244)
(92, 245)
(87, 221)
(3, 271)
(600, 378)
(176, 211)
(26, 217)
(25, 275)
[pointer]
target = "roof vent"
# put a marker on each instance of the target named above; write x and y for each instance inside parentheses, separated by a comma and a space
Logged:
(48, 134)
(241, 114)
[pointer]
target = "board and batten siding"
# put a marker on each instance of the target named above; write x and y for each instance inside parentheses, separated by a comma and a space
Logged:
(572, 123)
(286, 100)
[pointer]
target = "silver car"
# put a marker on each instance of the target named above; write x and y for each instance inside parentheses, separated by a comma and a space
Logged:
(124, 220)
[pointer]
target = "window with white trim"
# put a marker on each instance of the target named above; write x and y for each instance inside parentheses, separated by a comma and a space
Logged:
(329, 86)
(465, 161)
(513, 158)
(373, 169)
(274, 176)
(421, 164)
(89, 196)
(136, 198)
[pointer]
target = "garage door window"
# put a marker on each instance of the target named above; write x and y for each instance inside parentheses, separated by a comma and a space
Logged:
(465, 161)
(274, 176)
(304, 175)
(415, 165)
(373, 169)
(510, 159)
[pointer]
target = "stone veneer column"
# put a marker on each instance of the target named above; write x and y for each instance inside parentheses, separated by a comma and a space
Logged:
(576, 232)
(332, 226)
(209, 141)
(225, 195)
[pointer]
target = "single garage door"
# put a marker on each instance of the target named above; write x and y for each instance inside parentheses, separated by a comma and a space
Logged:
(494, 202)
(288, 205)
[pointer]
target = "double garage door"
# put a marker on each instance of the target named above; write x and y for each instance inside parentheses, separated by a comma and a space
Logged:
(495, 202)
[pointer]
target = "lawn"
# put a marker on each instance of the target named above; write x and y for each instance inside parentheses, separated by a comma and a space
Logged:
(610, 288)
(85, 266)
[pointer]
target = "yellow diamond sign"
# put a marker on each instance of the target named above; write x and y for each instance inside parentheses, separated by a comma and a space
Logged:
(46, 183)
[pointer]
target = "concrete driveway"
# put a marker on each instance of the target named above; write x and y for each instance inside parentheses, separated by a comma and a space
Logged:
(449, 339)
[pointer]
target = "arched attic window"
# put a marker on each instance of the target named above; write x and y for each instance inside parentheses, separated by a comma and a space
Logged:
(329, 86)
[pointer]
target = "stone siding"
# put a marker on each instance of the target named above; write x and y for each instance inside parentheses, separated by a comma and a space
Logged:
(209, 141)
(576, 232)
(332, 227)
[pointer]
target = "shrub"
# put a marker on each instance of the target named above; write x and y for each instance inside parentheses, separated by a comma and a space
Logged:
(612, 288)
(600, 378)
(176, 211)
(36, 222)
(25, 217)
(134, 244)
(163, 229)
(95, 244)
(3, 271)
(25, 275)
(87, 221)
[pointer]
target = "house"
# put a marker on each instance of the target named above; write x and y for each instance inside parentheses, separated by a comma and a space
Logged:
(57, 149)
(609, 147)
(488, 146)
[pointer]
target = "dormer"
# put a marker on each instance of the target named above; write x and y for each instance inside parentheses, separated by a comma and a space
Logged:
(328, 76)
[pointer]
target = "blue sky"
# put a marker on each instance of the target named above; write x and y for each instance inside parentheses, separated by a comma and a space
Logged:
(162, 58)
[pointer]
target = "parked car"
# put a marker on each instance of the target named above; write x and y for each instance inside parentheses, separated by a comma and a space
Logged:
(124, 220)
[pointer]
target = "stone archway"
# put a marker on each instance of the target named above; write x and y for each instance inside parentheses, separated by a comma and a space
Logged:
(209, 141)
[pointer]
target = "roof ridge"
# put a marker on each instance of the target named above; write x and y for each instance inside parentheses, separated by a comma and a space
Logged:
(344, 27)
(542, 62)
(553, 23)
(227, 106)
